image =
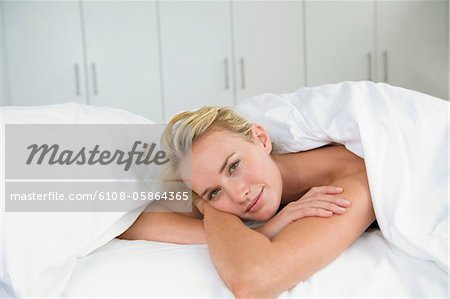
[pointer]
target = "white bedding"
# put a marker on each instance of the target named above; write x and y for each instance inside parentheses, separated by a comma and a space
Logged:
(40, 249)
(369, 268)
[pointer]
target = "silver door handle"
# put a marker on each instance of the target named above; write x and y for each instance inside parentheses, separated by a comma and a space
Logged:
(369, 65)
(385, 64)
(242, 73)
(77, 80)
(94, 79)
(227, 83)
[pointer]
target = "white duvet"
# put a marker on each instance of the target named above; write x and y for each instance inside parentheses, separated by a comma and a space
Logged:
(401, 134)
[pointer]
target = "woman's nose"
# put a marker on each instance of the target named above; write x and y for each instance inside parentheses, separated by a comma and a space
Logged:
(239, 191)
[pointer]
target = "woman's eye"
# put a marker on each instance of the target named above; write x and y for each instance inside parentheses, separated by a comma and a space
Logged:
(213, 194)
(234, 165)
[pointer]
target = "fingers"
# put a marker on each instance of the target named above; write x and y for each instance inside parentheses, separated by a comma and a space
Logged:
(325, 189)
(345, 203)
(311, 212)
(322, 201)
(199, 203)
(299, 213)
(325, 206)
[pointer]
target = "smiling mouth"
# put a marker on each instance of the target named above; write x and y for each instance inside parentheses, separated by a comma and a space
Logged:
(254, 201)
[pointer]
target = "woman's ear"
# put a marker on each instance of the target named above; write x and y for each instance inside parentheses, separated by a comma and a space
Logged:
(261, 137)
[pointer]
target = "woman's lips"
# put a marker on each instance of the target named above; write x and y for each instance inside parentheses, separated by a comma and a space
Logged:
(256, 203)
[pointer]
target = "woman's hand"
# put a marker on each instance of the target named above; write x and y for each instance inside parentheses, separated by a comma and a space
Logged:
(318, 201)
(199, 203)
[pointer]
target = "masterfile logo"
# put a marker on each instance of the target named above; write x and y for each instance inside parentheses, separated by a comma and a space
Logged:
(54, 155)
(59, 167)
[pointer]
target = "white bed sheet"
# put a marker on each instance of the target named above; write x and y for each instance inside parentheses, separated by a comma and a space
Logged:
(369, 268)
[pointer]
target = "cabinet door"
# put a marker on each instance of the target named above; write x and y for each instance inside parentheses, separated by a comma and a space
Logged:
(43, 52)
(196, 54)
(122, 56)
(268, 41)
(413, 45)
(2, 60)
(339, 41)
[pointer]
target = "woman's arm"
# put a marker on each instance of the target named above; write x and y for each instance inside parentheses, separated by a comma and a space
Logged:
(254, 266)
(172, 227)
(187, 228)
(314, 203)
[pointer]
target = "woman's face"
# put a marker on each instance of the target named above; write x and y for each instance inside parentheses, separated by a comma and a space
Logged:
(233, 174)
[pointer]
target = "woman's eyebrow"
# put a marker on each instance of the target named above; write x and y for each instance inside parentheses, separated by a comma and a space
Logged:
(220, 171)
(225, 163)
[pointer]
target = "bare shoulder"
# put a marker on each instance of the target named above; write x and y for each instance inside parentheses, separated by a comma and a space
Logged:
(359, 215)
(340, 156)
(333, 159)
(314, 242)
(318, 167)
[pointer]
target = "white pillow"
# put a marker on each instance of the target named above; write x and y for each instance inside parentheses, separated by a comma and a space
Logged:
(369, 268)
(39, 249)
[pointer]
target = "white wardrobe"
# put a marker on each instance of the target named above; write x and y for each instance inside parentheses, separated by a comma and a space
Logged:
(3, 100)
(156, 58)
(215, 53)
(403, 43)
(97, 52)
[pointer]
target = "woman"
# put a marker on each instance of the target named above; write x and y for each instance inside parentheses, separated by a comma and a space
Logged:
(232, 169)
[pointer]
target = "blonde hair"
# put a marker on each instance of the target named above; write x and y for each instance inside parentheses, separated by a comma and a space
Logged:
(186, 127)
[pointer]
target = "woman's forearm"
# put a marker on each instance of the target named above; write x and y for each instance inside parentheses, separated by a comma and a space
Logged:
(168, 227)
(231, 246)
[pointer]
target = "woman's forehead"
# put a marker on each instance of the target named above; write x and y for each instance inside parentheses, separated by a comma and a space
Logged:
(209, 154)
(220, 136)
(212, 147)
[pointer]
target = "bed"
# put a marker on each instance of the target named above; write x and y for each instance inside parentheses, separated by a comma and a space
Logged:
(74, 255)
